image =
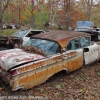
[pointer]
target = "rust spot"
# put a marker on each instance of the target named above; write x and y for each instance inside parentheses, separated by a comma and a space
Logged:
(75, 64)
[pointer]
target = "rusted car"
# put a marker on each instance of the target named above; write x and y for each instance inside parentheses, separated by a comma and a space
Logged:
(88, 27)
(9, 42)
(45, 55)
(17, 39)
(25, 34)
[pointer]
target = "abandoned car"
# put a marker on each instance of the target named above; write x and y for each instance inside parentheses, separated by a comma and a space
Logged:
(8, 42)
(88, 27)
(44, 55)
(17, 39)
(25, 34)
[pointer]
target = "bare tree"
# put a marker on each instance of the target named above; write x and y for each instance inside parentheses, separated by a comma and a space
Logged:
(52, 13)
(3, 6)
(87, 4)
(58, 6)
(67, 4)
(32, 15)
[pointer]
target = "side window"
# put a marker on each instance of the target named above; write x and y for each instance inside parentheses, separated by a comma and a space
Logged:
(69, 46)
(73, 44)
(85, 41)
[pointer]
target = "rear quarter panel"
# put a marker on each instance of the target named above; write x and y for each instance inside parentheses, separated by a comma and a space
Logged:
(33, 74)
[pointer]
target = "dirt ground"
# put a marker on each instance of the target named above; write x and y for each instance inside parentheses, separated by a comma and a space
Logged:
(83, 84)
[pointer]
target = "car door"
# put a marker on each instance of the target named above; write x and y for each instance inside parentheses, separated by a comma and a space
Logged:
(73, 56)
(90, 50)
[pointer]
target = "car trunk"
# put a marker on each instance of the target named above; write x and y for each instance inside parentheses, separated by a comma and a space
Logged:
(13, 58)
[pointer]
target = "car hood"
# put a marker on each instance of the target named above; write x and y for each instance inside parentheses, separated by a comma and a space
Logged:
(13, 57)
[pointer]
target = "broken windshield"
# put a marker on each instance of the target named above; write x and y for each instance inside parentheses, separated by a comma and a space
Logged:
(48, 47)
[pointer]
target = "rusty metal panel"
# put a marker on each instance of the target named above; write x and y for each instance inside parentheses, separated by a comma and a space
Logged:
(75, 64)
(36, 73)
(73, 60)
(39, 64)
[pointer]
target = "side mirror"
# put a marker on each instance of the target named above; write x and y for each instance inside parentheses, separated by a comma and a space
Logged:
(86, 49)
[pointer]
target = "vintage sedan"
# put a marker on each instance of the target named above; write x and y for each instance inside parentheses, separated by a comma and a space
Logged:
(44, 55)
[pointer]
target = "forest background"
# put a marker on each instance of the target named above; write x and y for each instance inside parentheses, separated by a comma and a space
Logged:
(41, 14)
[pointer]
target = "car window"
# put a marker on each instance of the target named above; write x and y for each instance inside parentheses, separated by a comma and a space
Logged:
(20, 33)
(73, 44)
(48, 47)
(85, 41)
(31, 33)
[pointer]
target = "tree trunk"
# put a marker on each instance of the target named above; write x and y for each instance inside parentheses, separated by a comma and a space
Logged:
(67, 10)
(32, 16)
(3, 6)
(0, 14)
(88, 7)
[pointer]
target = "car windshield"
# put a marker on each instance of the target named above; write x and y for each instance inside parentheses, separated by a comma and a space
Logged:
(20, 33)
(48, 47)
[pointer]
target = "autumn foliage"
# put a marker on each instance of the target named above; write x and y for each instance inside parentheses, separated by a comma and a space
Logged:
(61, 14)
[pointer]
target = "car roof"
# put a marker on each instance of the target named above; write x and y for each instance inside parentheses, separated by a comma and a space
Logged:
(62, 37)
